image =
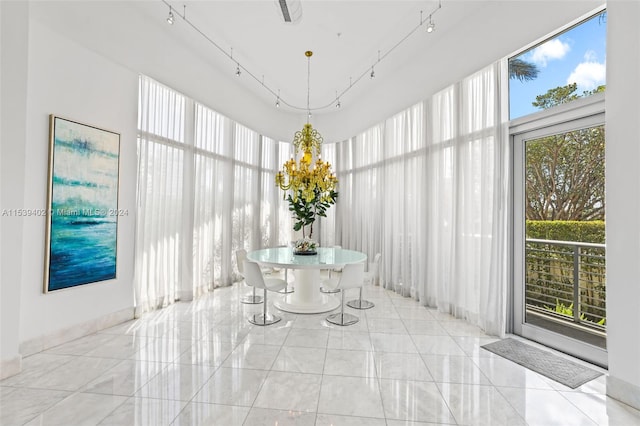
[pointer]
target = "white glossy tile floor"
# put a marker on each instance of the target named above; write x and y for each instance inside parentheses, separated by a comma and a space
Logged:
(202, 363)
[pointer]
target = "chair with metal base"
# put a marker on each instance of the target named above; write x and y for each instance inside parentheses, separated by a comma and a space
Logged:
(288, 289)
(352, 276)
(369, 277)
(255, 278)
(324, 289)
(250, 299)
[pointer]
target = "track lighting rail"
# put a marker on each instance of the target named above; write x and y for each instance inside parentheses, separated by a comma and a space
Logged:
(279, 100)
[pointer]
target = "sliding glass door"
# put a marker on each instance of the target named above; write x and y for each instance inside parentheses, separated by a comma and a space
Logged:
(559, 237)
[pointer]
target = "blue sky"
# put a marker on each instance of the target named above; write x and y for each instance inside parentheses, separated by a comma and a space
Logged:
(577, 55)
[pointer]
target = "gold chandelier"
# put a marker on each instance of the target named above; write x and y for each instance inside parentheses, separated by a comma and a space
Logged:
(311, 185)
(305, 178)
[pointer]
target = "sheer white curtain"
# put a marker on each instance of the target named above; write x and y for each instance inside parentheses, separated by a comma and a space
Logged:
(403, 224)
(160, 209)
(381, 206)
(212, 260)
(327, 225)
(206, 187)
(275, 215)
(428, 189)
(468, 187)
(284, 220)
(359, 205)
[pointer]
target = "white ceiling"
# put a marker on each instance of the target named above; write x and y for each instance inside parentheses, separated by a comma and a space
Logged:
(345, 37)
(470, 34)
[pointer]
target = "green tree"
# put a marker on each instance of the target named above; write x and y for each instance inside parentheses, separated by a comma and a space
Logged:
(522, 70)
(565, 172)
(562, 95)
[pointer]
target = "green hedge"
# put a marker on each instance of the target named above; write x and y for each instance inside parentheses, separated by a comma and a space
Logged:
(566, 230)
(549, 274)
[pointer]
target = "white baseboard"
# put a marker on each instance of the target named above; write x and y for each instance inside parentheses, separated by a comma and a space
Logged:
(41, 343)
(9, 367)
(623, 391)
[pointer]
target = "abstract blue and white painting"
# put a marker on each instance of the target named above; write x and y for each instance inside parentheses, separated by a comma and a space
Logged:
(83, 205)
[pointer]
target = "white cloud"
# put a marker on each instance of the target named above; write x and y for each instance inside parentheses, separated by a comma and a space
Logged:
(588, 75)
(590, 56)
(553, 49)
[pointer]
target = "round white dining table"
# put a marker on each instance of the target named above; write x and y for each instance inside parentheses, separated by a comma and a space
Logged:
(307, 297)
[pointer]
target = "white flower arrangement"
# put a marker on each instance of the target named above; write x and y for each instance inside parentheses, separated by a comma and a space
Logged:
(305, 245)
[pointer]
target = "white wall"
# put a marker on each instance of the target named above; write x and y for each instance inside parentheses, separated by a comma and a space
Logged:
(14, 26)
(68, 80)
(623, 200)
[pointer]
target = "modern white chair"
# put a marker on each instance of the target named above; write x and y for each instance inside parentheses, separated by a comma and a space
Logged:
(255, 279)
(369, 277)
(250, 299)
(352, 277)
(324, 289)
(288, 289)
(339, 268)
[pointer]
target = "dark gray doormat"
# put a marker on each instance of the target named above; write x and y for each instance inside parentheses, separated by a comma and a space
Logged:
(552, 366)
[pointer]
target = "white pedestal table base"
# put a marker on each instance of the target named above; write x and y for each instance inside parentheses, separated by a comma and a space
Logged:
(307, 298)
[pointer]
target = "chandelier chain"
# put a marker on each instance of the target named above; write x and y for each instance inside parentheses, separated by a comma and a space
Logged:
(308, 85)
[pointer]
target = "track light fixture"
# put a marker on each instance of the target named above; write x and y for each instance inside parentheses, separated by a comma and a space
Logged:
(373, 73)
(430, 26)
(170, 17)
(238, 72)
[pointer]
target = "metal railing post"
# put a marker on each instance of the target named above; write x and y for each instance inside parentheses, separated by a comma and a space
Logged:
(576, 284)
